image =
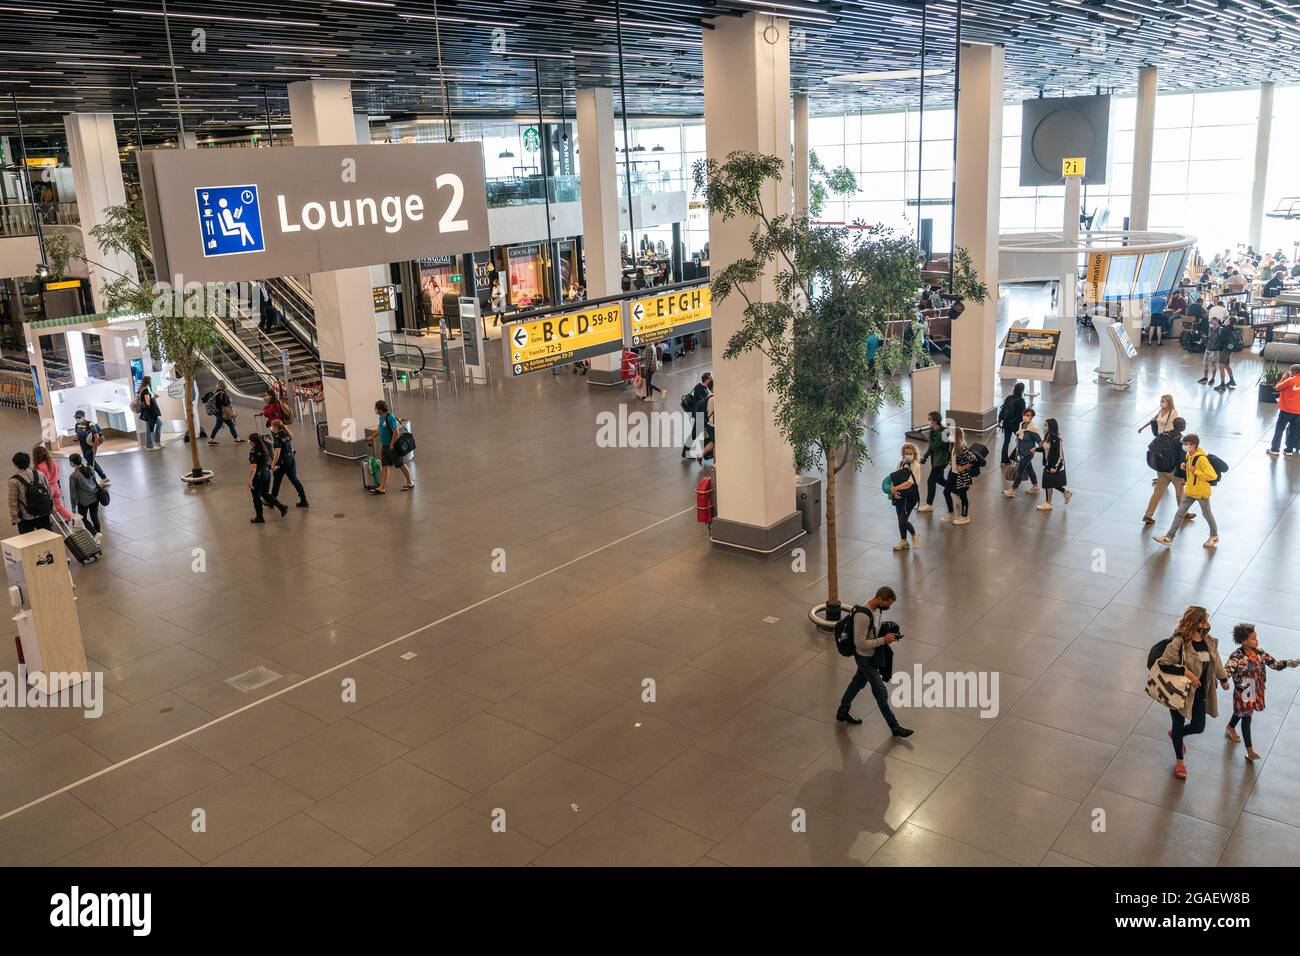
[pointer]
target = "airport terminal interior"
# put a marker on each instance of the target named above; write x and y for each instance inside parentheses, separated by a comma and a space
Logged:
(543, 580)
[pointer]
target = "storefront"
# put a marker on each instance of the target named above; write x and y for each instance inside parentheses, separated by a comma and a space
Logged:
(440, 279)
(526, 269)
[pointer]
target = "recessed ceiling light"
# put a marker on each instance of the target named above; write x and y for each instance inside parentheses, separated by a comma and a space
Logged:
(212, 16)
(884, 75)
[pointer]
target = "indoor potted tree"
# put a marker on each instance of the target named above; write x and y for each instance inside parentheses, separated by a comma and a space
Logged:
(180, 324)
(835, 286)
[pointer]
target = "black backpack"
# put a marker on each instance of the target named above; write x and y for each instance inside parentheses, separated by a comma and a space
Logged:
(37, 501)
(688, 403)
(1218, 464)
(844, 641)
(1162, 455)
(1156, 652)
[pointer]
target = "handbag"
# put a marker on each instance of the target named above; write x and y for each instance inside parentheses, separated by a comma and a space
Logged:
(227, 413)
(1168, 687)
(1010, 470)
(404, 444)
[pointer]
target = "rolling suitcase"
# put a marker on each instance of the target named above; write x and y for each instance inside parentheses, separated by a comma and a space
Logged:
(369, 472)
(81, 543)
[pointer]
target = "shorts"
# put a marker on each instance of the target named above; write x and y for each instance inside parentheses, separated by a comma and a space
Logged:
(389, 458)
(1211, 358)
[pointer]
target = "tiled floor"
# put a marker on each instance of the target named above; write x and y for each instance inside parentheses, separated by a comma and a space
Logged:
(522, 730)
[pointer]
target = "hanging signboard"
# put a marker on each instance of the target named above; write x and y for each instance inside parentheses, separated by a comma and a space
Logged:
(1030, 353)
(1094, 281)
(235, 214)
(534, 345)
(653, 318)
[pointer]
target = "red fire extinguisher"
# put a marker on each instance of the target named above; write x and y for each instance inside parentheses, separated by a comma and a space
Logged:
(704, 501)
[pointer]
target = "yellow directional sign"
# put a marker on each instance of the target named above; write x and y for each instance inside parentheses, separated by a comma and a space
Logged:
(669, 314)
(538, 344)
(1074, 167)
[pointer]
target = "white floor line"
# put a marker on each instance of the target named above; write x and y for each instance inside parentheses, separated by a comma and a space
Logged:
(342, 664)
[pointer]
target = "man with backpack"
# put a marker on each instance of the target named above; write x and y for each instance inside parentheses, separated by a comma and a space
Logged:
(1164, 457)
(693, 403)
(30, 500)
(865, 643)
(1009, 416)
(90, 437)
(1229, 341)
(1201, 472)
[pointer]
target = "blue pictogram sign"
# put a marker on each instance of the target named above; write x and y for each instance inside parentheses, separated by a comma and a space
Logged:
(230, 220)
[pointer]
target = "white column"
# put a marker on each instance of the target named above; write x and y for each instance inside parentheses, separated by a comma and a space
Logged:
(1066, 372)
(801, 154)
(1144, 137)
(600, 212)
(979, 190)
(1263, 133)
(97, 175)
(322, 115)
(747, 107)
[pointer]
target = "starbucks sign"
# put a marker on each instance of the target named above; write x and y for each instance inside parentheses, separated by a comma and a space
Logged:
(532, 140)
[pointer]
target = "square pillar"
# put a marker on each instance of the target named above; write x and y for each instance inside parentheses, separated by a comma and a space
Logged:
(979, 188)
(747, 107)
(322, 115)
(1263, 136)
(600, 212)
(1144, 141)
(97, 176)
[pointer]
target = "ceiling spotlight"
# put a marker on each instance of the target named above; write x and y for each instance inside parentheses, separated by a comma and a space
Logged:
(505, 154)
(42, 270)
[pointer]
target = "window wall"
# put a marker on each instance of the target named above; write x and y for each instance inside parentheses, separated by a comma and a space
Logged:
(1203, 161)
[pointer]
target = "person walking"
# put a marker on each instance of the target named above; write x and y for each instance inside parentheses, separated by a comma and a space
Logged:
(30, 499)
(905, 492)
(1163, 419)
(283, 463)
(1029, 441)
(259, 478)
(865, 641)
(1193, 649)
(1247, 666)
(960, 478)
(45, 463)
(1288, 413)
(1197, 475)
(939, 453)
(223, 414)
(89, 437)
(83, 493)
(699, 397)
(1009, 418)
(652, 363)
(150, 415)
(273, 410)
(1053, 465)
(389, 429)
(1165, 457)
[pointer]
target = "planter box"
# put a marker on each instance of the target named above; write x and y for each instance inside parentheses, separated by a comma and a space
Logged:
(1267, 393)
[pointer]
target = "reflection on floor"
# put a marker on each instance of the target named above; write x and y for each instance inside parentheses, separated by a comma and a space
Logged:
(532, 709)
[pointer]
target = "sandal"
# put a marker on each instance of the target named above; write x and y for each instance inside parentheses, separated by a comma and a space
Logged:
(407, 487)
(376, 491)
(1180, 773)
(1231, 735)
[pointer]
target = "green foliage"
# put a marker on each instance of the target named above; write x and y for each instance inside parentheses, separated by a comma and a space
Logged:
(813, 294)
(1272, 373)
(965, 280)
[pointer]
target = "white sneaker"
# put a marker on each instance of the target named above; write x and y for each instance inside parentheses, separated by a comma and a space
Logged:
(950, 516)
(924, 509)
(99, 536)
(1008, 492)
(962, 520)
(1211, 541)
(916, 540)
(1067, 495)
(1045, 506)
(901, 546)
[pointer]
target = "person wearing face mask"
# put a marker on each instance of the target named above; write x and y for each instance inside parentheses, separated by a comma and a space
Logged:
(1192, 649)
(865, 641)
(905, 493)
(1053, 466)
(938, 452)
(1009, 417)
(1197, 475)
(1029, 441)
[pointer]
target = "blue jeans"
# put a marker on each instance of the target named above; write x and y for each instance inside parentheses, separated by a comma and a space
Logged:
(1025, 470)
(288, 469)
(867, 674)
(152, 432)
(1288, 423)
(218, 423)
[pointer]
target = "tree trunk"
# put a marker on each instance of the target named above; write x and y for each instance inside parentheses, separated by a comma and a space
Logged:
(197, 467)
(832, 548)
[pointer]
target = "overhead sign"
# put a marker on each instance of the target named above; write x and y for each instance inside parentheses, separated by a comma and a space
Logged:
(538, 344)
(1095, 278)
(1030, 353)
(667, 315)
(1074, 166)
(236, 214)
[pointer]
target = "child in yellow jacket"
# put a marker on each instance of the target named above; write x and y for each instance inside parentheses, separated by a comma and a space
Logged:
(1196, 488)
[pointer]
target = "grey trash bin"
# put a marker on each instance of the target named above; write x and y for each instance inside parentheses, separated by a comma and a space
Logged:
(808, 499)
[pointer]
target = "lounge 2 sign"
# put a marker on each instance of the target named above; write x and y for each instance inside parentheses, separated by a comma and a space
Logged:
(220, 215)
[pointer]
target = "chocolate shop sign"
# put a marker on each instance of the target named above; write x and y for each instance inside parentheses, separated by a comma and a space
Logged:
(231, 214)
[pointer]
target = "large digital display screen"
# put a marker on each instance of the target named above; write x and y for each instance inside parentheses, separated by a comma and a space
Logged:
(1173, 271)
(1119, 278)
(1148, 277)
